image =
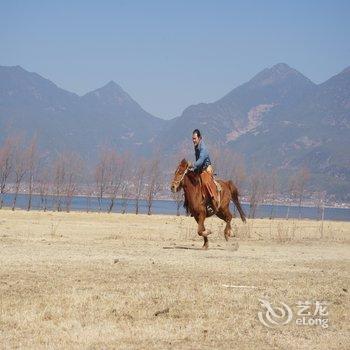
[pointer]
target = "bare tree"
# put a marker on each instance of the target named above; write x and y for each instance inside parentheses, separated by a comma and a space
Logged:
(238, 173)
(257, 191)
(102, 176)
(118, 168)
(73, 170)
(297, 184)
(20, 166)
(154, 183)
(139, 180)
(88, 195)
(126, 183)
(273, 192)
(303, 177)
(229, 165)
(319, 204)
(43, 186)
(179, 200)
(59, 176)
(32, 161)
(6, 163)
(125, 192)
(126, 186)
(291, 193)
(87, 185)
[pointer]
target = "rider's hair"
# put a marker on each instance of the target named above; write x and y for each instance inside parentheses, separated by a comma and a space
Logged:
(197, 132)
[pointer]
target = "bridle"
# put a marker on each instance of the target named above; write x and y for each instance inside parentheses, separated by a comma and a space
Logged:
(177, 182)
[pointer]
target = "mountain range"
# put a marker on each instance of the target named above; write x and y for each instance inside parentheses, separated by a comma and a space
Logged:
(65, 121)
(279, 119)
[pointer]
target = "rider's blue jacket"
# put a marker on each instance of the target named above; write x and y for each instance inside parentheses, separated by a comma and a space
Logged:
(202, 157)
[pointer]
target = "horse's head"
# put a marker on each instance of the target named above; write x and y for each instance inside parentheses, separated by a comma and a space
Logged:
(179, 175)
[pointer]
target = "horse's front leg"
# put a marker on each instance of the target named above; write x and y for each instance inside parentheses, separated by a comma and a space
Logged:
(202, 231)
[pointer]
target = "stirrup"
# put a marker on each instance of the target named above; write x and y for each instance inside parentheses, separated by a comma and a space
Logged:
(209, 206)
(209, 209)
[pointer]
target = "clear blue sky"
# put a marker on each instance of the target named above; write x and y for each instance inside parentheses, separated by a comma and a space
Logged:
(170, 54)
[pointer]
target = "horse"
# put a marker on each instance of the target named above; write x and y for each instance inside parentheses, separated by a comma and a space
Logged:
(195, 203)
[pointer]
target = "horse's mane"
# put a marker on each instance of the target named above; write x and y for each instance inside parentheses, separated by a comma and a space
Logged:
(195, 180)
(193, 177)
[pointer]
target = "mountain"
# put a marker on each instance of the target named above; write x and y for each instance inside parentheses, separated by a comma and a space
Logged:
(116, 117)
(245, 107)
(62, 120)
(279, 119)
(322, 134)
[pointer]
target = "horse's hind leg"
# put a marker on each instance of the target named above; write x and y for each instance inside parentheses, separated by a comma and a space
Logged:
(227, 217)
(206, 243)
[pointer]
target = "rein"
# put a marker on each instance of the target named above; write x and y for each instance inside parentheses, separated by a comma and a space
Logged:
(182, 177)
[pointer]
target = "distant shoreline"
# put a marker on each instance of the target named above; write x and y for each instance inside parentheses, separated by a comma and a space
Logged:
(169, 199)
(164, 206)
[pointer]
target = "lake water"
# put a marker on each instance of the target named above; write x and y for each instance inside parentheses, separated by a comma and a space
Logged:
(169, 207)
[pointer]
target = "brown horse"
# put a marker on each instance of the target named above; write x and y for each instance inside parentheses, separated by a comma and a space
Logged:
(195, 203)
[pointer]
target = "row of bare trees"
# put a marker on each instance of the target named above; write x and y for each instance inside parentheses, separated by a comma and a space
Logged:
(18, 162)
(122, 176)
(56, 180)
(261, 186)
(23, 169)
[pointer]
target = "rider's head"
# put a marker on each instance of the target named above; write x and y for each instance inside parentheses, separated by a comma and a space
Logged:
(196, 137)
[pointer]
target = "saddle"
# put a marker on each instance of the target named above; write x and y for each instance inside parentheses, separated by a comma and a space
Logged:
(211, 190)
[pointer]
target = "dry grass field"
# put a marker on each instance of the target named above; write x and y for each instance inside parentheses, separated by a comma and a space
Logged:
(107, 281)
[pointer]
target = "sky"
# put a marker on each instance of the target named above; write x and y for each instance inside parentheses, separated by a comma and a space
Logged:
(170, 54)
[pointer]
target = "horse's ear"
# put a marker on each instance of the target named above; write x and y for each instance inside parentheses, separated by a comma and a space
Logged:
(184, 162)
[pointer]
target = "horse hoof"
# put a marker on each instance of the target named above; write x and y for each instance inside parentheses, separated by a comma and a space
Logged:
(205, 246)
(228, 234)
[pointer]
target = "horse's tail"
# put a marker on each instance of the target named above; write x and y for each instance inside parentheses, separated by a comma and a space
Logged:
(235, 199)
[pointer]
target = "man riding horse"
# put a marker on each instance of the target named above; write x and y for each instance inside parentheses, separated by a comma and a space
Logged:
(203, 167)
(193, 179)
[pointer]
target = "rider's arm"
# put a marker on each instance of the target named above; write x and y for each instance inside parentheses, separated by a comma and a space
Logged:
(203, 154)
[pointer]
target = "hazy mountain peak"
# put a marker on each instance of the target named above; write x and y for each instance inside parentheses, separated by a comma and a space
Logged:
(281, 67)
(345, 71)
(278, 73)
(111, 93)
(112, 84)
(339, 83)
(19, 85)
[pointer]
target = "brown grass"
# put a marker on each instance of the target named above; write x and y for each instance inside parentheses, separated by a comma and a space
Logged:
(105, 281)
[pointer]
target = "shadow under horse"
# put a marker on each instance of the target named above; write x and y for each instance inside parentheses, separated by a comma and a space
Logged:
(195, 203)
